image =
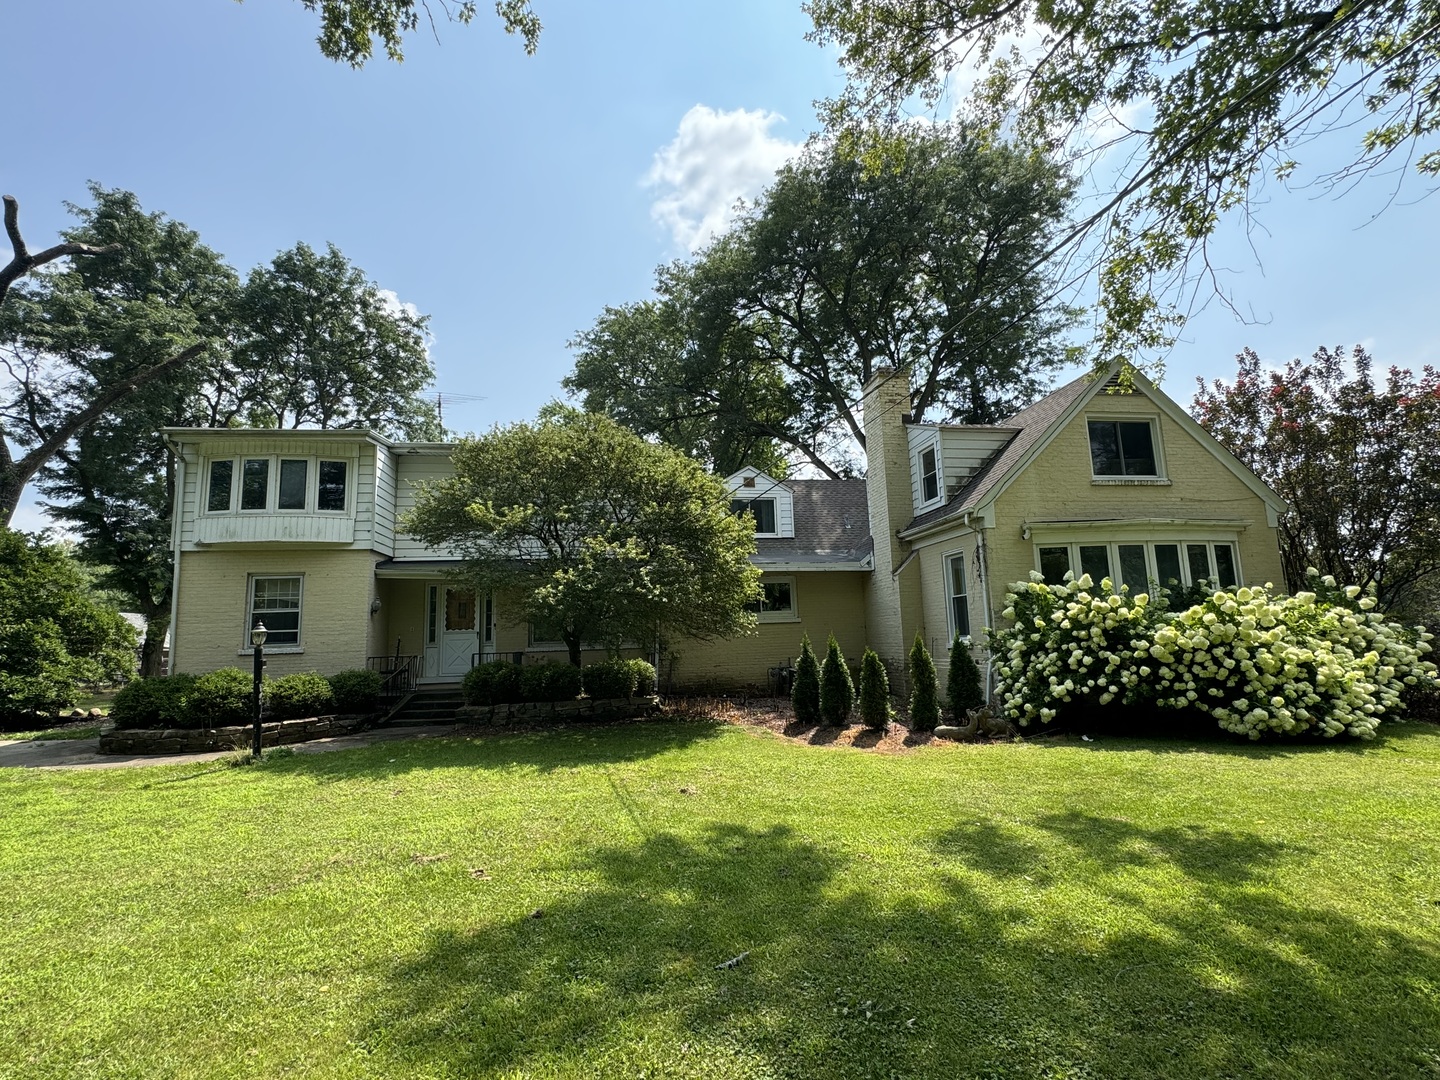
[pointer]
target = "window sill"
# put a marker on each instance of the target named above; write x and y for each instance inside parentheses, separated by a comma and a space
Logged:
(275, 650)
(766, 617)
(1129, 481)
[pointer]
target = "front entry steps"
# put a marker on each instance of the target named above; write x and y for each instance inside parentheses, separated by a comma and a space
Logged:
(427, 705)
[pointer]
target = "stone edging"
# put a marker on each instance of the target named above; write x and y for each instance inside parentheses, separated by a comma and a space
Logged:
(200, 740)
(527, 712)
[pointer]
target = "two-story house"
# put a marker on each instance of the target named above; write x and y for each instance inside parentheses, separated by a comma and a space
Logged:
(299, 529)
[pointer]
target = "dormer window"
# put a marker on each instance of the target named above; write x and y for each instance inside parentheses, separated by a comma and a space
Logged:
(762, 509)
(1123, 448)
(929, 475)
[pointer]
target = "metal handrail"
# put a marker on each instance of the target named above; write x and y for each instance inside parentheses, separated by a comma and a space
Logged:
(399, 673)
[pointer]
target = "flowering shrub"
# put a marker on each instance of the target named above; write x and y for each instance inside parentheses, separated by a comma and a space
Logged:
(1322, 660)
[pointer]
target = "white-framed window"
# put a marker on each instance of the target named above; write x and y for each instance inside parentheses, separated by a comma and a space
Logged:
(956, 593)
(1138, 564)
(276, 601)
(777, 602)
(1124, 448)
(928, 468)
(269, 483)
(763, 510)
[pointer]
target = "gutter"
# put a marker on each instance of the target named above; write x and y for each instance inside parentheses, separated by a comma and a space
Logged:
(176, 511)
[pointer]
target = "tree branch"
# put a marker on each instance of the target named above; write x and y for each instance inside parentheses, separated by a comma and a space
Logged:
(23, 262)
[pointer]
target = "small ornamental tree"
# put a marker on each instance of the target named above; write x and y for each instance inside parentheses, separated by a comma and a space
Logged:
(874, 692)
(837, 692)
(924, 688)
(963, 686)
(805, 694)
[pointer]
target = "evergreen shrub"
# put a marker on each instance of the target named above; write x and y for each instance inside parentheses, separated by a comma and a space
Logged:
(154, 703)
(805, 693)
(303, 694)
(608, 679)
(356, 690)
(963, 685)
(494, 683)
(924, 688)
(874, 692)
(837, 691)
(550, 682)
(220, 698)
(644, 675)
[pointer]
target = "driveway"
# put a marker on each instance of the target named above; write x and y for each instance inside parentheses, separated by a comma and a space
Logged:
(83, 753)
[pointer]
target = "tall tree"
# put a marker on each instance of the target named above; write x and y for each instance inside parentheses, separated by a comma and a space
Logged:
(350, 28)
(912, 261)
(594, 532)
(1225, 93)
(1356, 458)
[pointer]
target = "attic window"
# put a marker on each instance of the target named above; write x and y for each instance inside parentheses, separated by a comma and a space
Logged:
(762, 509)
(929, 476)
(1123, 448)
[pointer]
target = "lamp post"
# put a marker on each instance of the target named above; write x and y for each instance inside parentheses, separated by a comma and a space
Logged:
(257, 639)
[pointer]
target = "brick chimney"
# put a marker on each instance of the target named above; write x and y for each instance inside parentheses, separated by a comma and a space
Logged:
(893, 603)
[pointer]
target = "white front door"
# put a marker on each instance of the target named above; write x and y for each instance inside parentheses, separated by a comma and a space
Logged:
(459, 628)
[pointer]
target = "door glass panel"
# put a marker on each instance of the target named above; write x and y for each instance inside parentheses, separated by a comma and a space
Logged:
(1054, 563)
(1167, 565)
(255, 484)
(220, 476)
(1095, 561)
(292, 483)
(1132, 568)
(433, 616)
(459, 609)
(1199, 559)
(1225, 566)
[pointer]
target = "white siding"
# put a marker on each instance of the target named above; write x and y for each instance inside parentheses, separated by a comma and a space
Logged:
(962, 450)
(766, 487)
(384, 512)
(410, 470)
(364, 496)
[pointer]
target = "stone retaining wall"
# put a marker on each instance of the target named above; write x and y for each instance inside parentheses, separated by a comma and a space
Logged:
(534, 712)
(200, 740)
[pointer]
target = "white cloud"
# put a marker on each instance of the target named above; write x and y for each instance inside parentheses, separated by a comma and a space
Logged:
(716, 158)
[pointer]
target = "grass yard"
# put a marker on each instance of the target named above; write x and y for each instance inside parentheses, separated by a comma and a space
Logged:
(562, 905)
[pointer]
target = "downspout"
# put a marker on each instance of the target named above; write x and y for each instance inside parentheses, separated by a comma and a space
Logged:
(175, 514)
(982, 571)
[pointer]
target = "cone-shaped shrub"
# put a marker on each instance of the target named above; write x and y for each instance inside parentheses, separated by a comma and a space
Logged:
(924, 688)
(805, 694)
(837, 692)
(874, 692)
(963, 687)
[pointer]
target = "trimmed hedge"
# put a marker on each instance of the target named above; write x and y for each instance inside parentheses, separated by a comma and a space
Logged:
(550, 682)
(303, 694)
(356, 690)
(222, 697)
(159, 702)
(494, 683)
(618, 678)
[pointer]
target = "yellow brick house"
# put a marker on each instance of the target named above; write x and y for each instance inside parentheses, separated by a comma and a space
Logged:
(300, 529)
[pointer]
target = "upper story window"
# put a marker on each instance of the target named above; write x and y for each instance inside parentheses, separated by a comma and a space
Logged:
(764, 511)
(929, 475)
(1123, 448)
(277, 483)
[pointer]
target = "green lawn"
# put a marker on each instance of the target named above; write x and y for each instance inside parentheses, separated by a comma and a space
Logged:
(557, 905)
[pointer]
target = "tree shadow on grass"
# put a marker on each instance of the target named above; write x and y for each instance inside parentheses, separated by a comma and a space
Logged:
(981, 973)
(570, 746)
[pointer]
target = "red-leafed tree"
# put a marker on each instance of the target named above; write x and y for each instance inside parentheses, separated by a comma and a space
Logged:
(1357, 458)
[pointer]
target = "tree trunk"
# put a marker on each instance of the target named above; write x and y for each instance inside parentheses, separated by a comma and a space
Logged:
(152, 651)
(572, 642)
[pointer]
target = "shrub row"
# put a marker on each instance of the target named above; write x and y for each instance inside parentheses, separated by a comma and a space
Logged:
(1320, 661)
(503, 683)
(222, 698)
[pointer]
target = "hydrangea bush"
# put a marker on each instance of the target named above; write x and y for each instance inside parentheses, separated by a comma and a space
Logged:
(1322, 660)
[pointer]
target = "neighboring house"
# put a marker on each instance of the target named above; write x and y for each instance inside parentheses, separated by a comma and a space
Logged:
(298, 528)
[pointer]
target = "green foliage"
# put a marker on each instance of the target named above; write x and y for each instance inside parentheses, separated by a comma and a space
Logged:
(53, 636)
(298, 695)
(550, 682)
(1357, 460)
(963, 685)
(756, 350)
(160, 702)
(221, 698)
(874, 692)
(644, 675)
(494, 683)
(595, 532)
(1320, 662)
(805, 694)
(350, 28)
(615, 678)
(837, 691)
(356, 690)
(1229, 92)
(924, 688)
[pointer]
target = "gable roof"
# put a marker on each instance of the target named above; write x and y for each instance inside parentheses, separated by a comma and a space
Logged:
(832, 526)
(1040, 422)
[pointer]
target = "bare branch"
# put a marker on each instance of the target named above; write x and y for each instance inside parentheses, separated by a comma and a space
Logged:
(23, 262)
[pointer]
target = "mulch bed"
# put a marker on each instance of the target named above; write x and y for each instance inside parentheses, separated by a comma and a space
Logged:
(775, 714)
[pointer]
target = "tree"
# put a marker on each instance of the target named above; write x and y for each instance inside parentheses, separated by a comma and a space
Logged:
(54, 636)
(874, 692)
(837, 691)
(22, 261)
(924, 688)
(1357, 460)
(349, 28)
(766, 337)
(283, 348)
(594, 533)
(1226, 93)
(963, 684)
(805, 694)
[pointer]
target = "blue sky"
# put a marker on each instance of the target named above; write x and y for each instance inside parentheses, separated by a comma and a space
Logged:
(512, 197)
